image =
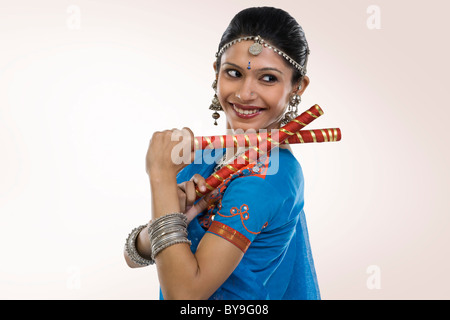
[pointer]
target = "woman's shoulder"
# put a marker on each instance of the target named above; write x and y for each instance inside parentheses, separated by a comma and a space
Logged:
(284, 169)
(277, 174)
(279, 171)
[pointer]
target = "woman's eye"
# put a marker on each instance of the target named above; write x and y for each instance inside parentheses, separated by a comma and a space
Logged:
(234, 73)
(269, 78)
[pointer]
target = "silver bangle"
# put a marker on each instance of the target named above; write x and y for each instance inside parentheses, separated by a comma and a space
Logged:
(175, 241)
(166, 231)
(130, 248)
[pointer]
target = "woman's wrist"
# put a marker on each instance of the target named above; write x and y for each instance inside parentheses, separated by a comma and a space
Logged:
(161, 176)
(143, 245)
(164, 195)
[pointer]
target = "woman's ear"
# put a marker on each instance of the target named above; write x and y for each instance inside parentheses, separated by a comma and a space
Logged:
(304, 82)
(215, 66)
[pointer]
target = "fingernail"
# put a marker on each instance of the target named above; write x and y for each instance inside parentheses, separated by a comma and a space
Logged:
(203, 188)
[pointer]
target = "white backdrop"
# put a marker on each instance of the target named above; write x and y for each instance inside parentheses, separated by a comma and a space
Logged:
(84, 84)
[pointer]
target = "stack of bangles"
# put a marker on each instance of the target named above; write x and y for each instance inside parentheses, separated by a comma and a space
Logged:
(164, 232)
(171, 229)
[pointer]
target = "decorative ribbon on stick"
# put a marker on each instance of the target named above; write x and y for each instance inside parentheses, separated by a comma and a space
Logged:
(274, 140)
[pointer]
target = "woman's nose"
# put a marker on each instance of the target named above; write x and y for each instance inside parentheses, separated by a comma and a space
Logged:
(246, 91)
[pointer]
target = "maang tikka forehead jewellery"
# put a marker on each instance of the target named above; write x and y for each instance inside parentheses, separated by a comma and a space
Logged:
(255, 49)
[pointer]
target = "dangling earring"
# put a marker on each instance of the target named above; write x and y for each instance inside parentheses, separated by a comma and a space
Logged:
(292, 112)
(215, 104)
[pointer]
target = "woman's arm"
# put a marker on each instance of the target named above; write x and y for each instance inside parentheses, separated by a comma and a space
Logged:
(183, 275)
(186, 197)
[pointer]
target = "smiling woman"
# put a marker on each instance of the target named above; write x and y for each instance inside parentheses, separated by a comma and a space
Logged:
(260, 93)
(248, 238)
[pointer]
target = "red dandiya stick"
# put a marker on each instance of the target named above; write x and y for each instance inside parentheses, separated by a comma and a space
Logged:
(315, 135)
(265, 146)
(254, 139)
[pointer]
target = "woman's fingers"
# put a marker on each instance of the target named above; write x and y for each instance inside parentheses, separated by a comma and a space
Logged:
(169, 151)
(190, 194)
(201, 205)
(182, 196)
(199, 181)
(187, 194)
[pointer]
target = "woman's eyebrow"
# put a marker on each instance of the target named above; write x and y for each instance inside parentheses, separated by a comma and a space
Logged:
(269, 69)
(262, 69)
(232, 64)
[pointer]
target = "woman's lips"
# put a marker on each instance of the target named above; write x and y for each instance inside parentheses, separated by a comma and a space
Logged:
(246, 112)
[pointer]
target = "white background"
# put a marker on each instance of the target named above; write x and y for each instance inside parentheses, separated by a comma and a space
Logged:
(84, 84)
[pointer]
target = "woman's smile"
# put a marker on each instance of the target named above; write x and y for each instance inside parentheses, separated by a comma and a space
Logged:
(246, 112)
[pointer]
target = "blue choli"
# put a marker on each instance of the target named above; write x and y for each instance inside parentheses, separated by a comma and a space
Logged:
(260, 210)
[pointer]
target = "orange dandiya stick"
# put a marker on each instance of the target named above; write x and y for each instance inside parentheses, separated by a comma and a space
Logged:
(266, 145)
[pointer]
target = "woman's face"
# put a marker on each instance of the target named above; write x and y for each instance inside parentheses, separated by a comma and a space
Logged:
(254, 98)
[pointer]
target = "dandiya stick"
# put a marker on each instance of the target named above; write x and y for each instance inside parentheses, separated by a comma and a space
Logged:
(265, 146)
(246, 140)
(254, 139)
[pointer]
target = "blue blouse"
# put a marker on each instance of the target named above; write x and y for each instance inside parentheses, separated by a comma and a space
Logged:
(260, 210)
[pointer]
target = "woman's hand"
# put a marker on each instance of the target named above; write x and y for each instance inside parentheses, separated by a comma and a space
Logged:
(169, 151)
(187, 196)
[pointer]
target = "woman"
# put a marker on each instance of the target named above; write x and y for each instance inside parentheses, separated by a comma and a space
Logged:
(248, 238)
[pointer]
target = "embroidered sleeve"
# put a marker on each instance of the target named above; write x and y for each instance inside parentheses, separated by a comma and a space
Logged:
(245, 210)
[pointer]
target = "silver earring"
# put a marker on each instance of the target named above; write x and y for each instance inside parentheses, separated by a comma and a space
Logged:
(215, 104)
(292, 112)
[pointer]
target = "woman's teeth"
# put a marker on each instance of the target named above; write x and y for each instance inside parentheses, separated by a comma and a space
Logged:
(245, 111)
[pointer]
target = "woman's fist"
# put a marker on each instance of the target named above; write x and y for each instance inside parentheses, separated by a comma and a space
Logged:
(169, 151)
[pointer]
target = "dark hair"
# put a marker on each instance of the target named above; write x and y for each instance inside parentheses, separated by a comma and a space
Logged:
(276, 26)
